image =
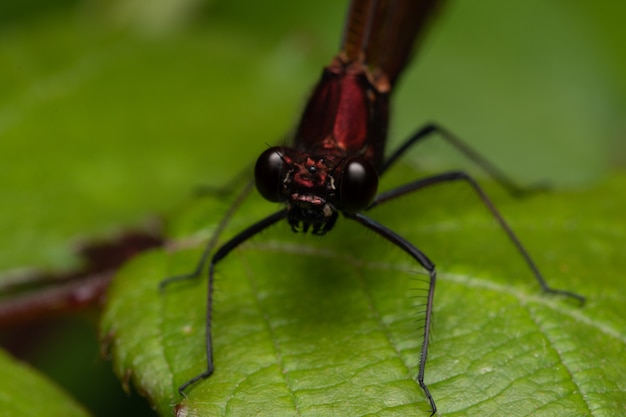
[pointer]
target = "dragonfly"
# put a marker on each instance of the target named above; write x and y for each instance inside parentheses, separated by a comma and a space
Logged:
(337, 155)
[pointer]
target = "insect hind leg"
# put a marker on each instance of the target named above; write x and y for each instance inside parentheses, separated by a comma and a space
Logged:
(431, 129)
(462, 176)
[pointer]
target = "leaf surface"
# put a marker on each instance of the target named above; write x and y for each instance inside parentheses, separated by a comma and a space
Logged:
(26, 393)
(320, 326)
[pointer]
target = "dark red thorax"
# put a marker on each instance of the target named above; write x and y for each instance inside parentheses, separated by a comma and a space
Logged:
(339, 144)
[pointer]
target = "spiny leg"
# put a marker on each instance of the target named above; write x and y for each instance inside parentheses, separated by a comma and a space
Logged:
(431, 129)
(462, 176)
(224, 250)
(213, 241)
(426, 263)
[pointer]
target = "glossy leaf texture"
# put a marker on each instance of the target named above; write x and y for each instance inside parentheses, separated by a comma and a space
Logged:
(310, 326)
(104, 126)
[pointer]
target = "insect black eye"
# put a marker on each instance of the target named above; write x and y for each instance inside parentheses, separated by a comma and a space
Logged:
(268, 174)
(358, 185)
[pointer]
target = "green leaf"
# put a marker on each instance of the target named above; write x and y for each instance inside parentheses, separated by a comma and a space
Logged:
(99, 127)
(26, 393)
(324, 326)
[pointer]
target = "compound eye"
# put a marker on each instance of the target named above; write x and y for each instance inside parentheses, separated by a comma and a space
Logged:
(268, 174)
(358, 185)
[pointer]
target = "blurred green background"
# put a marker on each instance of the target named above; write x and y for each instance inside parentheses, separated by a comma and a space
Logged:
(113, 111)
